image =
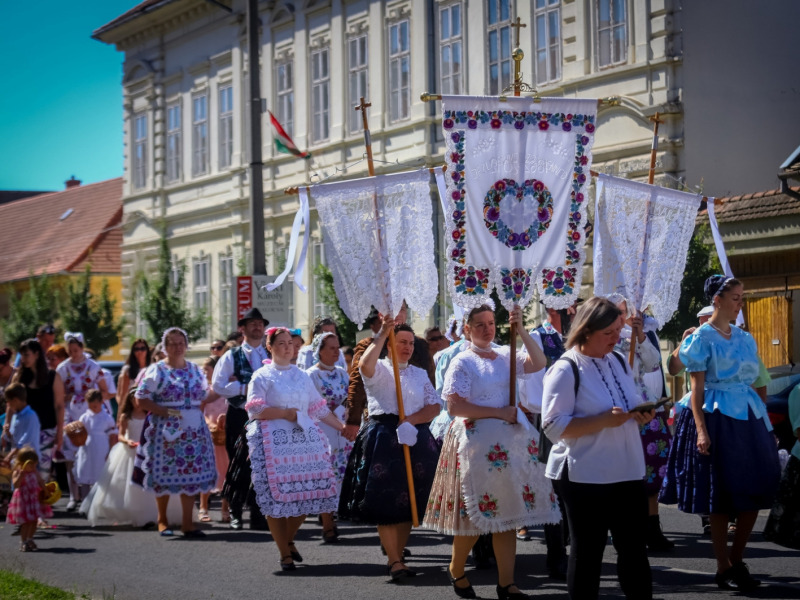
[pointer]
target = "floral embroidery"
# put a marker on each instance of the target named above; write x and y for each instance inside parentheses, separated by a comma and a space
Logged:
(532, 189)
(515, 283)
(533, 451)
(469, 426)
(528, 497)
(518, 120)
(471, 280)
(497, 457)
(488, 506)
(558, 282)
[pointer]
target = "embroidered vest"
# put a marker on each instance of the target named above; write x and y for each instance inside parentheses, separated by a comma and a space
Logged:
(243, 372)
(552, 345)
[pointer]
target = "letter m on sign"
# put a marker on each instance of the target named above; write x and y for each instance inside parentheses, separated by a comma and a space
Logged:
(244, 295)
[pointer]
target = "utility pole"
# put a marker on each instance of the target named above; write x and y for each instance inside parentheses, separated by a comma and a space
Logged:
(257, 249)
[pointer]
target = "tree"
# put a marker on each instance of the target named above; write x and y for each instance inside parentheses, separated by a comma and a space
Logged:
(701, 263)
(347, 329)
(92, 315)
(38, 305)
(162, 302)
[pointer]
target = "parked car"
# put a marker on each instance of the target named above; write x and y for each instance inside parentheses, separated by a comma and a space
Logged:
(778, 390)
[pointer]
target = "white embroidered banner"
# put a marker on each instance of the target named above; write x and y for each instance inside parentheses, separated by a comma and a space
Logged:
(516, 177)
(641, 237)
(380, 270)
(720, 246)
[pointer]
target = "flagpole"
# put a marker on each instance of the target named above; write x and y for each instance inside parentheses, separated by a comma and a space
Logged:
(257, 244)
(651, 175)
(362, 106)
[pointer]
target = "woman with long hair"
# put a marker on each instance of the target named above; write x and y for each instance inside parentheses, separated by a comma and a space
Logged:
(138, 361)
(724, 460)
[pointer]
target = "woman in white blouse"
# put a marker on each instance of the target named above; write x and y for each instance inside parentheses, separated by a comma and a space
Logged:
(597, 462)
(375, 487)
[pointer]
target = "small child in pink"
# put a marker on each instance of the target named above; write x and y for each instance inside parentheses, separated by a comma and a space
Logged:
(26, 507)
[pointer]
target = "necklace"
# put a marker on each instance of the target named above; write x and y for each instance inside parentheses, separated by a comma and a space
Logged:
(722, 333)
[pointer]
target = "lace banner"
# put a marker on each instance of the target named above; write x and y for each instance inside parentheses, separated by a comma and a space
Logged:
(516, 177)
(380, 272)
(641, 238)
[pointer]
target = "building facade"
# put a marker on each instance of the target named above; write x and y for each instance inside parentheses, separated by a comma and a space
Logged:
(185, 87)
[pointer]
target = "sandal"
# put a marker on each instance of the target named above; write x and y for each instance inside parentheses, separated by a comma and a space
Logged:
(330, 536)
(202, 516)
(31, 545)
(400, 574)
(296, 556)
(287, 566)
(462, 592)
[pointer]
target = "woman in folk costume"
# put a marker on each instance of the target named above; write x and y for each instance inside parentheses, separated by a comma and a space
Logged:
(289, 454)
(332, 383)
(489, 479)
(724, 460)
(375, 488)
(656, 436)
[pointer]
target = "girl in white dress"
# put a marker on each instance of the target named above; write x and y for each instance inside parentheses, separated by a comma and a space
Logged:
(102, 434)
(115, 499)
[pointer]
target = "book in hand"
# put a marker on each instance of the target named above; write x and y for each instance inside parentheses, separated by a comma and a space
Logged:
(648, 406)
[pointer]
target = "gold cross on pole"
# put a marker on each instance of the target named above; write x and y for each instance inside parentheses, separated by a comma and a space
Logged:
(363, 106)
(518, 25)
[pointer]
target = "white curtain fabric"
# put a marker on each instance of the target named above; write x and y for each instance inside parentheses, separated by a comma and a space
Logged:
(379, 242)
(720, 246)
(641, 237)
(515, 198)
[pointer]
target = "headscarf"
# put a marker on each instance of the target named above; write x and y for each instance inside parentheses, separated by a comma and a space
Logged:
(317, 343)
(74, 336)
(169, 330)
(714, 286)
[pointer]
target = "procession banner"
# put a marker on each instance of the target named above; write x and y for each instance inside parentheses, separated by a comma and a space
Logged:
(720, 246)
(379, 242)
(641, 238)
(516, 175)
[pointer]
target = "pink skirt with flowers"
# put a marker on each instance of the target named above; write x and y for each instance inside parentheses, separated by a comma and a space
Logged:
(26, 506)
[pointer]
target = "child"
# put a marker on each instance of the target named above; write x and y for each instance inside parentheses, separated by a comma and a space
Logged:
(26, 507)
(102, 434)
(24, 428)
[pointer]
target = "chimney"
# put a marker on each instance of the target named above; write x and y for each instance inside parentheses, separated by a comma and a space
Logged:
(72, 182)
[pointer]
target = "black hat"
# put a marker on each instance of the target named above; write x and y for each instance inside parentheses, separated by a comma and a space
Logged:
(373, 316)
(253, 313)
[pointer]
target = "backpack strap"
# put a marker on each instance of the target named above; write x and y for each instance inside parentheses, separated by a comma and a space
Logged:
(576, 375)
(621, 360)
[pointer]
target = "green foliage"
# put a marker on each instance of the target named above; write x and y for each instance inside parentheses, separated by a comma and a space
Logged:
(347, 329)
(701, 263)
(92, 315)
(503, 329)
(37, 306)
(161, 301)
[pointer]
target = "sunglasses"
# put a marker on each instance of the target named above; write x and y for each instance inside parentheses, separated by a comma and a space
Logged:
(435, 338)
(217, 347)
(140, 349)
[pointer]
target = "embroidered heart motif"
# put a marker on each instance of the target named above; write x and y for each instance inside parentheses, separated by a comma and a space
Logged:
(529, 202)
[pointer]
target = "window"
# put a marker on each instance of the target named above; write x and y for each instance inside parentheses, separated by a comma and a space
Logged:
(225, 126)
(320, 95)
(499, 45)
(173, 142)
(399, 71)
(200, 135)
(612, 33)
(177, 272)
(139, 151)
(285, 102)
(318, 258)
(357, 65)
(547, 28)
(450, 46)
(226, 292)
(200, 282)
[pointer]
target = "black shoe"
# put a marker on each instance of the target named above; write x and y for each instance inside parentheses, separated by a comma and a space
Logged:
(504, 594)
(287, 566)
(558, 571)
(461, 592)
(400, 575)
(742, 578)
(296, 556)
(655, 537)
(236, 523)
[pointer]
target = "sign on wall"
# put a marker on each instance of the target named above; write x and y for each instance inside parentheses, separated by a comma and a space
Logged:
(273, 305)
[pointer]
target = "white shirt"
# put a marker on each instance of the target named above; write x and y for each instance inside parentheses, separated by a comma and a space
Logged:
(530, 390)
(221, 379)
(480, 380)
(417, 390)
(610, 455)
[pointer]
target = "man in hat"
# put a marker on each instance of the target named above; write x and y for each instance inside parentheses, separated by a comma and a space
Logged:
(230, 379)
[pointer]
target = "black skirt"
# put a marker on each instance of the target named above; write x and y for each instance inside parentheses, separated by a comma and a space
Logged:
(375, 486)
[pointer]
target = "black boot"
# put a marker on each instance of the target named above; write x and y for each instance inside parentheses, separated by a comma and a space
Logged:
(655, 537)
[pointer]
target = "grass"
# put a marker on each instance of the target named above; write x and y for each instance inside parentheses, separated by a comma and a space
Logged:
(17, 587)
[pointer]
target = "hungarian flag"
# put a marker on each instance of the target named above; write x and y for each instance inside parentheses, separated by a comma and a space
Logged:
(283, 142)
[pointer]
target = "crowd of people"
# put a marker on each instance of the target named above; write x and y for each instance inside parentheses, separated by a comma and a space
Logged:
(284, 428)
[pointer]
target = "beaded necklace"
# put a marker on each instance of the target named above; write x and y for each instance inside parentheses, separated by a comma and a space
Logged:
(621, 394)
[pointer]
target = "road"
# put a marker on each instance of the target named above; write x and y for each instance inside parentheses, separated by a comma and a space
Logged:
(126, 564)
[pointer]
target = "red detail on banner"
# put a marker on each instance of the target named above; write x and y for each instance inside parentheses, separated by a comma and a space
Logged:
(244, 295)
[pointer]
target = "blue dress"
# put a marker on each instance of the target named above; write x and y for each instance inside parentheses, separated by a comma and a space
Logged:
(742, 470)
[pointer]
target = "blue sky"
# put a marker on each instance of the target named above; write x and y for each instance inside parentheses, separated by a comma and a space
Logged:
(61, 98)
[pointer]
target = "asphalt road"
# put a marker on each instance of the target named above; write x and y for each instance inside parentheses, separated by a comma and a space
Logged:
(126, 564)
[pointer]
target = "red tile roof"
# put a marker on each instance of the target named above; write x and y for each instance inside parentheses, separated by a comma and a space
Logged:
(760, 205)
(34, 237)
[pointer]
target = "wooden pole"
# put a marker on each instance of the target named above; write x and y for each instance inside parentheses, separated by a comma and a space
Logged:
(650, 178)
(362, 106)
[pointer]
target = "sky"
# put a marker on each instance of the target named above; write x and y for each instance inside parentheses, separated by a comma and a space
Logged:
(61, 94)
